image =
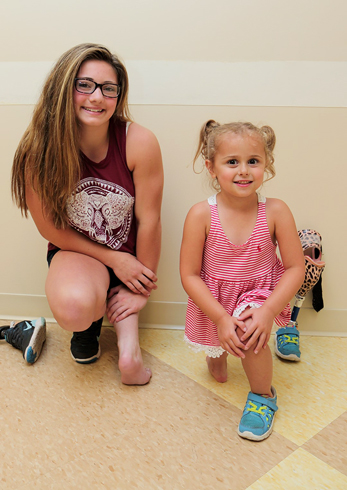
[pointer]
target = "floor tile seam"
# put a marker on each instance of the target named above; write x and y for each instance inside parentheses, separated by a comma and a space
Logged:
(283, 461)
(194, 380)
(218, 395)
(325, 427)
(299, 444)
(322, 461)
(307, 440)
(275, 466)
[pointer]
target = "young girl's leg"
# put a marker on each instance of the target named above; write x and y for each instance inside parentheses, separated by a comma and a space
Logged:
(130, 361)
(218, 367)
(258, 369)
(258, 415)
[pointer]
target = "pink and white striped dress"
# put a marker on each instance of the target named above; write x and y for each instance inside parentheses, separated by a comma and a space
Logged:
(238, 276)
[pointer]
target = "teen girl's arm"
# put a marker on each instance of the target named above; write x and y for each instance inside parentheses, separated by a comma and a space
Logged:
(132, 272)
(282, 228)
(144, 160)
(195, 231)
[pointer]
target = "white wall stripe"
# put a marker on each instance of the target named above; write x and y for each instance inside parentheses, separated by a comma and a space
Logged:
(276, 83)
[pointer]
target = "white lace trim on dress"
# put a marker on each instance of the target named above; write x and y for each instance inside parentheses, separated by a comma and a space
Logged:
(217, 351)
(210, 350)
(242, 308)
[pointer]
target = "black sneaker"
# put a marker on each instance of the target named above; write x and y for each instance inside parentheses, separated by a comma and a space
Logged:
(27, 336)
(85, 347)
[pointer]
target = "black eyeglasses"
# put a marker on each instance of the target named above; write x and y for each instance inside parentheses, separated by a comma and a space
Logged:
(85, 86)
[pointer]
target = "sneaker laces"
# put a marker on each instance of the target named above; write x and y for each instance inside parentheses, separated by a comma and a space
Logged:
(252, 407)
(264, 415)
(15, 336)
(289, 338)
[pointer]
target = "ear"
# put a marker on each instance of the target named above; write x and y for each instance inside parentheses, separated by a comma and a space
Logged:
(209, 166)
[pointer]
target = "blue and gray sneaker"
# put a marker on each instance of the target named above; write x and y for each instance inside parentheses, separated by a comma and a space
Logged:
(85, 347)
(258, 416)
(287, 342)
(27, 336)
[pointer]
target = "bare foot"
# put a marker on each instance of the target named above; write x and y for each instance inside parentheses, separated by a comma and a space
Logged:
(218, 367)
(133, 372)
(130, 363)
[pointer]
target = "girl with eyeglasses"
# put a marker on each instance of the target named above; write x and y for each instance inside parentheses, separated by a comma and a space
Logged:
(92, 180)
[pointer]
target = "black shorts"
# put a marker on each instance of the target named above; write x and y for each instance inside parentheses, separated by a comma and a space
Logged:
(114, 281)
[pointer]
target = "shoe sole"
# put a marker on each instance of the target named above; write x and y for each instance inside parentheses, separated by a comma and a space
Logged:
(289, 357)
(90, 360)
(33, 351)
(253, 437)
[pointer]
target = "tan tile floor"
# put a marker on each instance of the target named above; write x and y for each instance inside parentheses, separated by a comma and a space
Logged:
(69, 426)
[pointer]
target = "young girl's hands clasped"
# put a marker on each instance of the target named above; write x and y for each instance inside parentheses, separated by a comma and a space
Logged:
(228, 337)
(259, 324)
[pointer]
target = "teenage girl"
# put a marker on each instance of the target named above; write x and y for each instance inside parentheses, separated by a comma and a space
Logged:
(236, 284)
(92, 180)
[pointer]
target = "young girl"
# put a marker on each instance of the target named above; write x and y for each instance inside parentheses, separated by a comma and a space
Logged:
(92, 180)
(236, 284)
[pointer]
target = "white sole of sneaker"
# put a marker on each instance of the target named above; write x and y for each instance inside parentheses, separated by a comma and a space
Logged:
(90, 360)
(290, 357)
(33, 351)
(254, 437)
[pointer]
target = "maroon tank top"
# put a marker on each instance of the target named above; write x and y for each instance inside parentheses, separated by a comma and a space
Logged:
(103, 205)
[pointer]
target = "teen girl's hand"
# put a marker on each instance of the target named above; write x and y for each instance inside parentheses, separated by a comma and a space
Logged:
(228, 337)
(122, 303)
(259, 324)
(137, 277)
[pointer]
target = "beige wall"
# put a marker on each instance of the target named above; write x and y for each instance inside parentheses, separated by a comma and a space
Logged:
(193, 30)
(310, 121)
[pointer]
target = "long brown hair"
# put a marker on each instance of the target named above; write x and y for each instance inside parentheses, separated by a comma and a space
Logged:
(47, 157)
(211, 132)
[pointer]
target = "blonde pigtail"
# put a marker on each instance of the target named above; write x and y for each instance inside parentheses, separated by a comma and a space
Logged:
(205, 144)
(269, 138)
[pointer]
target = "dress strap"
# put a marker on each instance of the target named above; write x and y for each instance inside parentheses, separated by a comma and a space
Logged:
(212, 200)
(127, 127)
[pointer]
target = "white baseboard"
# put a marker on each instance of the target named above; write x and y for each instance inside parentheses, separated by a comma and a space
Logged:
(171, 315)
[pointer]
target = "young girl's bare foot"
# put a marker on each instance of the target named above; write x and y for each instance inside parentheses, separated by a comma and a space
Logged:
(218, 367)
(133, 372)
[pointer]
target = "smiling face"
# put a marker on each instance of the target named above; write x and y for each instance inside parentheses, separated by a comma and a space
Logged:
(95, 109)
(239, 163)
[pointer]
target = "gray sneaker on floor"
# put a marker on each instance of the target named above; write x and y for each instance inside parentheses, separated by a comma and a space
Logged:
(27, 336)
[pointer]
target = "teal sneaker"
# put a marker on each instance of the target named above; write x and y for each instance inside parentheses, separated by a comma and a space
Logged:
(258, 416)
(287, 343)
